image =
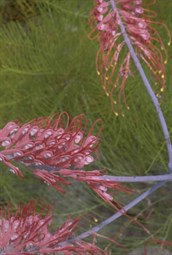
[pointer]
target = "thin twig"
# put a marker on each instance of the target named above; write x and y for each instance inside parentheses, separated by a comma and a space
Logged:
(152, 178)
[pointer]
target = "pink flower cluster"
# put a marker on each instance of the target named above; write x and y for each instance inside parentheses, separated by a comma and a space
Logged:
(108, 22)
(144, 37)
(53, 142)
(26, 233)
(56, 149)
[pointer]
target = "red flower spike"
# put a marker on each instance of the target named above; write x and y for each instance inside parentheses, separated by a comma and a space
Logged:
(26, 233)
(113, 70)
(51, 142)
(52, 146)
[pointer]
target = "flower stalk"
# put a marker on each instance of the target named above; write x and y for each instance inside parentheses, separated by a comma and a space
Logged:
(151, 178)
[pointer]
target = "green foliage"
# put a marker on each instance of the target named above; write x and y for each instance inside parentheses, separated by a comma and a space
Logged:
(47, 65)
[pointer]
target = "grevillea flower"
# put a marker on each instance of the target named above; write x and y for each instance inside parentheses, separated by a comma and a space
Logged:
(56, 149)
(27, 232)
(113, 59)
(52, 142)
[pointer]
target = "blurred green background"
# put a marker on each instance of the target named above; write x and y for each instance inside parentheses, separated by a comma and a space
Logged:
(47, 65)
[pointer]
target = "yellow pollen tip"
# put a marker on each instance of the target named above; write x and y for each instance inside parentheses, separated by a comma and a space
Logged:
(98, 72)
(116, 113)
(106, 78)
(169, 43)
(159, 71)
(162, 76)
(106, 69)
(165, 62)
(128, 108)
(95, 220)
(162, 89)
(114, 102)
(107, 94)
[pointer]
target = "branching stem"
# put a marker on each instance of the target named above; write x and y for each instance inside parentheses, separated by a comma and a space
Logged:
(136, 178)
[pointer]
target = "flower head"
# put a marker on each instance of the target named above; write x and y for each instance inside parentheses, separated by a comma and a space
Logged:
(50, 144)
(114, 67)
(27, 232)
(53, 142)
(56, 150)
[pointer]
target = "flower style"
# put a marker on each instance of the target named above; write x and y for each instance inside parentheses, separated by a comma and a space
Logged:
(113, 66)
(27, 233)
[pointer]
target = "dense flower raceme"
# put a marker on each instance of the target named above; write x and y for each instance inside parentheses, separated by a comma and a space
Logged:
(56, 150)
(114, 67)
(27, 232)
(54, 142)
